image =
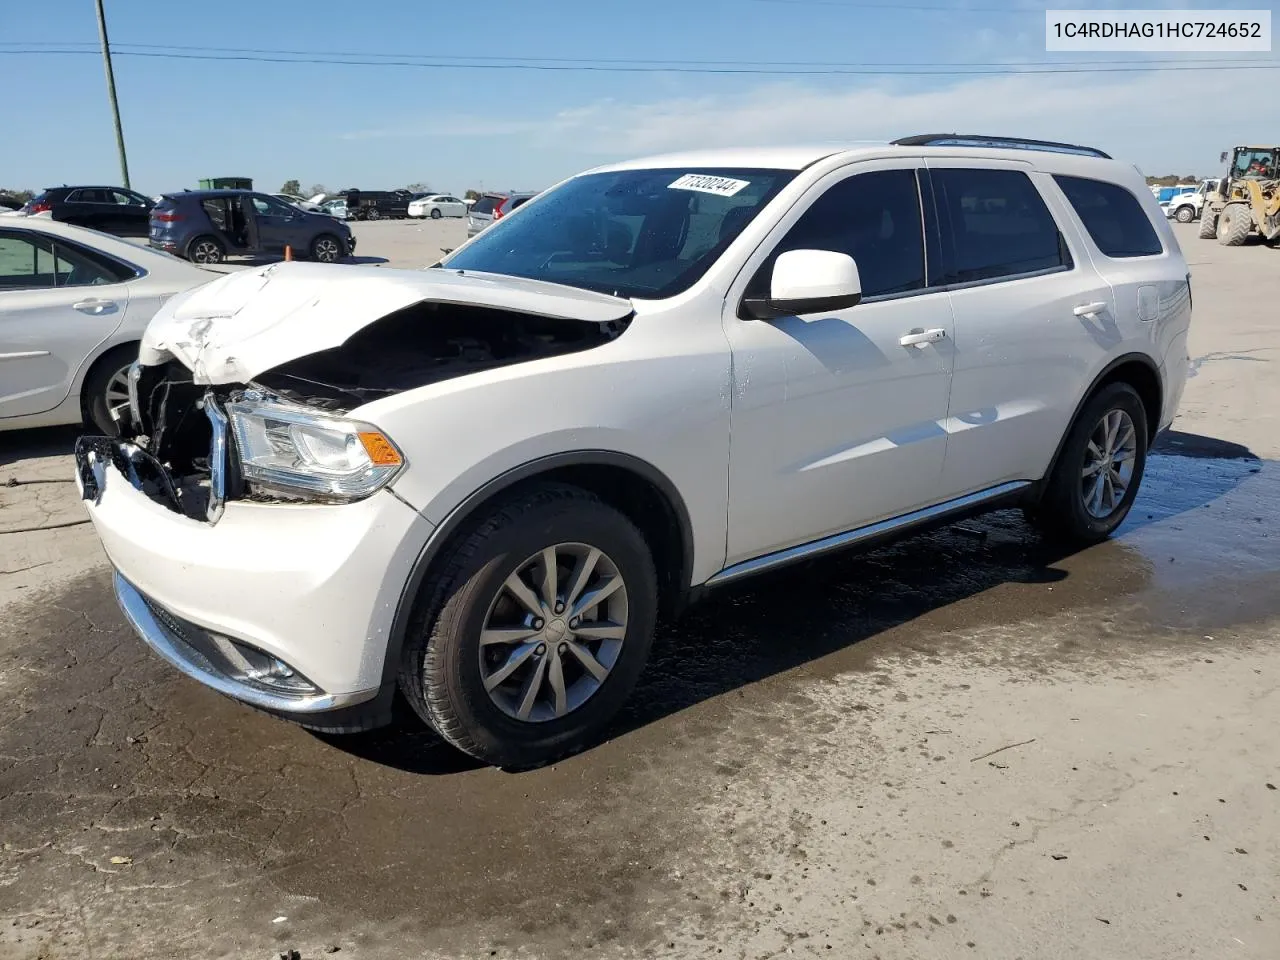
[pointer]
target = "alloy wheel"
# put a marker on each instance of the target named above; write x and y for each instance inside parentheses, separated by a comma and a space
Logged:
(206, 251)
(326, 250)
(553, 632)
(1109, 460)
(117, 395)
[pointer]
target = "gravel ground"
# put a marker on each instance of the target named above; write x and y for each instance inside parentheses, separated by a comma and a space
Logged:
(963, 745)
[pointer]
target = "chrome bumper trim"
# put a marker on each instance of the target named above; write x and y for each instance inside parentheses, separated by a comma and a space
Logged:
(169, 646)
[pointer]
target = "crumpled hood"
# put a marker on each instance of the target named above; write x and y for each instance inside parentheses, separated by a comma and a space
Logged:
(236, 327)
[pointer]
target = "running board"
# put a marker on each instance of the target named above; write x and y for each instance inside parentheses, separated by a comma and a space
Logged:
(938, 514)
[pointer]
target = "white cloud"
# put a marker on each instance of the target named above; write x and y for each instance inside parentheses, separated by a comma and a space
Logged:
(1164, 121)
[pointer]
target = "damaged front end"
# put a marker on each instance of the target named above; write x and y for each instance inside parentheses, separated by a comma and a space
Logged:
(287, 433)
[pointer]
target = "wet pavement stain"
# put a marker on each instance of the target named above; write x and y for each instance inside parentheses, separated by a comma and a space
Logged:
(231, 818)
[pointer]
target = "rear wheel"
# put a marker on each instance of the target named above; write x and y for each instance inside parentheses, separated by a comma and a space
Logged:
(105, 394)
(535, 629)
(1208, 224)
(326, 249)
(205, 250)
(1234, 224)
(373, 213)
(1099, 470)
(1185, 213)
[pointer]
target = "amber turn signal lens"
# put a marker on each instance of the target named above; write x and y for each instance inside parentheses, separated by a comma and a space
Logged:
(380, 450)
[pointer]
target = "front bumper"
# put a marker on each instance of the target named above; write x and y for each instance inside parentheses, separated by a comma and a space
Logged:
(314, 586)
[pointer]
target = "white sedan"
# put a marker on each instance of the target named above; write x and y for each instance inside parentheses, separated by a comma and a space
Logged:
(437, 205)
(73, 305)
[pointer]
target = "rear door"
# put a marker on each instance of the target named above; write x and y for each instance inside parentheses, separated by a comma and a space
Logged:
(1146, 270)
(1033, 320)
(132, 214)
(58, 302)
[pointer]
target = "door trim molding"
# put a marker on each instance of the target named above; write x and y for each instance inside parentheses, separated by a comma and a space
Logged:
(938, 513)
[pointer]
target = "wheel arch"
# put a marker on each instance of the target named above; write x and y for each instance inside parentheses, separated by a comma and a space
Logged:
(639, 490)
(93, 364)
(1138, 370)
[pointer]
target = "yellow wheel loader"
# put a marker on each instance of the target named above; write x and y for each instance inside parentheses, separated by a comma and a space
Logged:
(1247, 200)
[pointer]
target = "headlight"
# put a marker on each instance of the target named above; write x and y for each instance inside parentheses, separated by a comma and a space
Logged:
(298, 451)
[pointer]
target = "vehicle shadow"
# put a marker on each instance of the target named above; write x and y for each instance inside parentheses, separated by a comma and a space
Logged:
(830, 608)
(16, 445)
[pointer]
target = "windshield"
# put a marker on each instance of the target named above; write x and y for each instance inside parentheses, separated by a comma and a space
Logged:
(633, 233)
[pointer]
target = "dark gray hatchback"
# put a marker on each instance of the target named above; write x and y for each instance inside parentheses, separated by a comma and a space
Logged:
(205, 226)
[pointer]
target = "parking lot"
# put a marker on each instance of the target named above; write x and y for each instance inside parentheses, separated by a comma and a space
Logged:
(967, 744)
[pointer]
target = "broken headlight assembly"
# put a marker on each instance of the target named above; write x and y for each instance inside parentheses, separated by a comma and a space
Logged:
(292, 451)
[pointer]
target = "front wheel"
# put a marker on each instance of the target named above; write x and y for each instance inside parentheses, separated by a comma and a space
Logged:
(105, 395)
(1097, 475)
(534, 629)
(1234, 224)
(1185, 214)
(326, 249)
(435, 213)
(373, 213)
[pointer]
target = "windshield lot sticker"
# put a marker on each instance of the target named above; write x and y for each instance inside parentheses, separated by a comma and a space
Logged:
(720, 186)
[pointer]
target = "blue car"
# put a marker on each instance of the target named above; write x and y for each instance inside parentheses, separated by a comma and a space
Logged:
(206, 226)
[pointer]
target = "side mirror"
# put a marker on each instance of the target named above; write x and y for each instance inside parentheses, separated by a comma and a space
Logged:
(1222, 157)
(807, 281)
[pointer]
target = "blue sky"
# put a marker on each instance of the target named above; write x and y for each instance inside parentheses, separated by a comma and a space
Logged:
(455, 128)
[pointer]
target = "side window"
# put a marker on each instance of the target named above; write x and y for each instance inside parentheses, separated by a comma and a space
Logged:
(125, 199)
(271, 208)
(77, 196)
(78, 267)
(93, 196)
(873, 217)
(1112, 215)
(995, 224)
(26, 263)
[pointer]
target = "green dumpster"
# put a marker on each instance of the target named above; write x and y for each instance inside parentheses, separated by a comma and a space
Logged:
(227, 183)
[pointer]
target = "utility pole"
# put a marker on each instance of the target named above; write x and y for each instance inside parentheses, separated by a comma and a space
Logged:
(111, 91)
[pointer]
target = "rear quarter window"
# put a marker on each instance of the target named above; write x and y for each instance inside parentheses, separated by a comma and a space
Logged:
(1113, 216)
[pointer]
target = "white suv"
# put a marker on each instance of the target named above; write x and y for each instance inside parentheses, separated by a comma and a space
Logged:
(480, 484)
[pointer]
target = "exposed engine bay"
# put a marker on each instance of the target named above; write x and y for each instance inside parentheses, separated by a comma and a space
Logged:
(178, 450)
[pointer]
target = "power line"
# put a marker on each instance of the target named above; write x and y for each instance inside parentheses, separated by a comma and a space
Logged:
(933, 8)
(1038, 69)
(445, 60)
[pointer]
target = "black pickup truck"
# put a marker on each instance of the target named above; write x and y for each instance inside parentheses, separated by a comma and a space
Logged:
(377, 204)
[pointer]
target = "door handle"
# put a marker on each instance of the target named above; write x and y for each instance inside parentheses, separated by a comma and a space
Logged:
(1090, 309)
(94, 307)
(922, 338)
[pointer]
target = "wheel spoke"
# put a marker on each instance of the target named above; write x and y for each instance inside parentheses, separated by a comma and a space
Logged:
(492, 635)
(581, 574)
(1109, 492)
(601, 630)
(549, 577)
(555, 677)
(518, 656)
(1091, 468)
(520, 590)
(589, 662)
(529, 693)
(1121, 456)
(593, 598)
(1113, 428)
(1094, 451)
(1125, 438)
(1095, 498)
(1117, 483)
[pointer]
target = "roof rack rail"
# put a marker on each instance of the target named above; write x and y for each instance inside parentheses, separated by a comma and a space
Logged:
(1003, 143)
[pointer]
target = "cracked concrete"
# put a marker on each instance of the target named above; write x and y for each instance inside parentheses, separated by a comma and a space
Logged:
(803, 772)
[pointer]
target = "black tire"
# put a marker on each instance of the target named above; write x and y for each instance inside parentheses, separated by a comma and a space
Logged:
(435, 213)
(1208, 223)
(1234, 224)
(1061, 512)
(326, 248)
(373, 213)
(1185, 213)
(100, 397)
(440, 671)
(206, 249)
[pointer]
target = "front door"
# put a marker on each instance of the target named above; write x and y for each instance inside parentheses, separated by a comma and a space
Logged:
(277, 224)
(56, 307)
(836, 422)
